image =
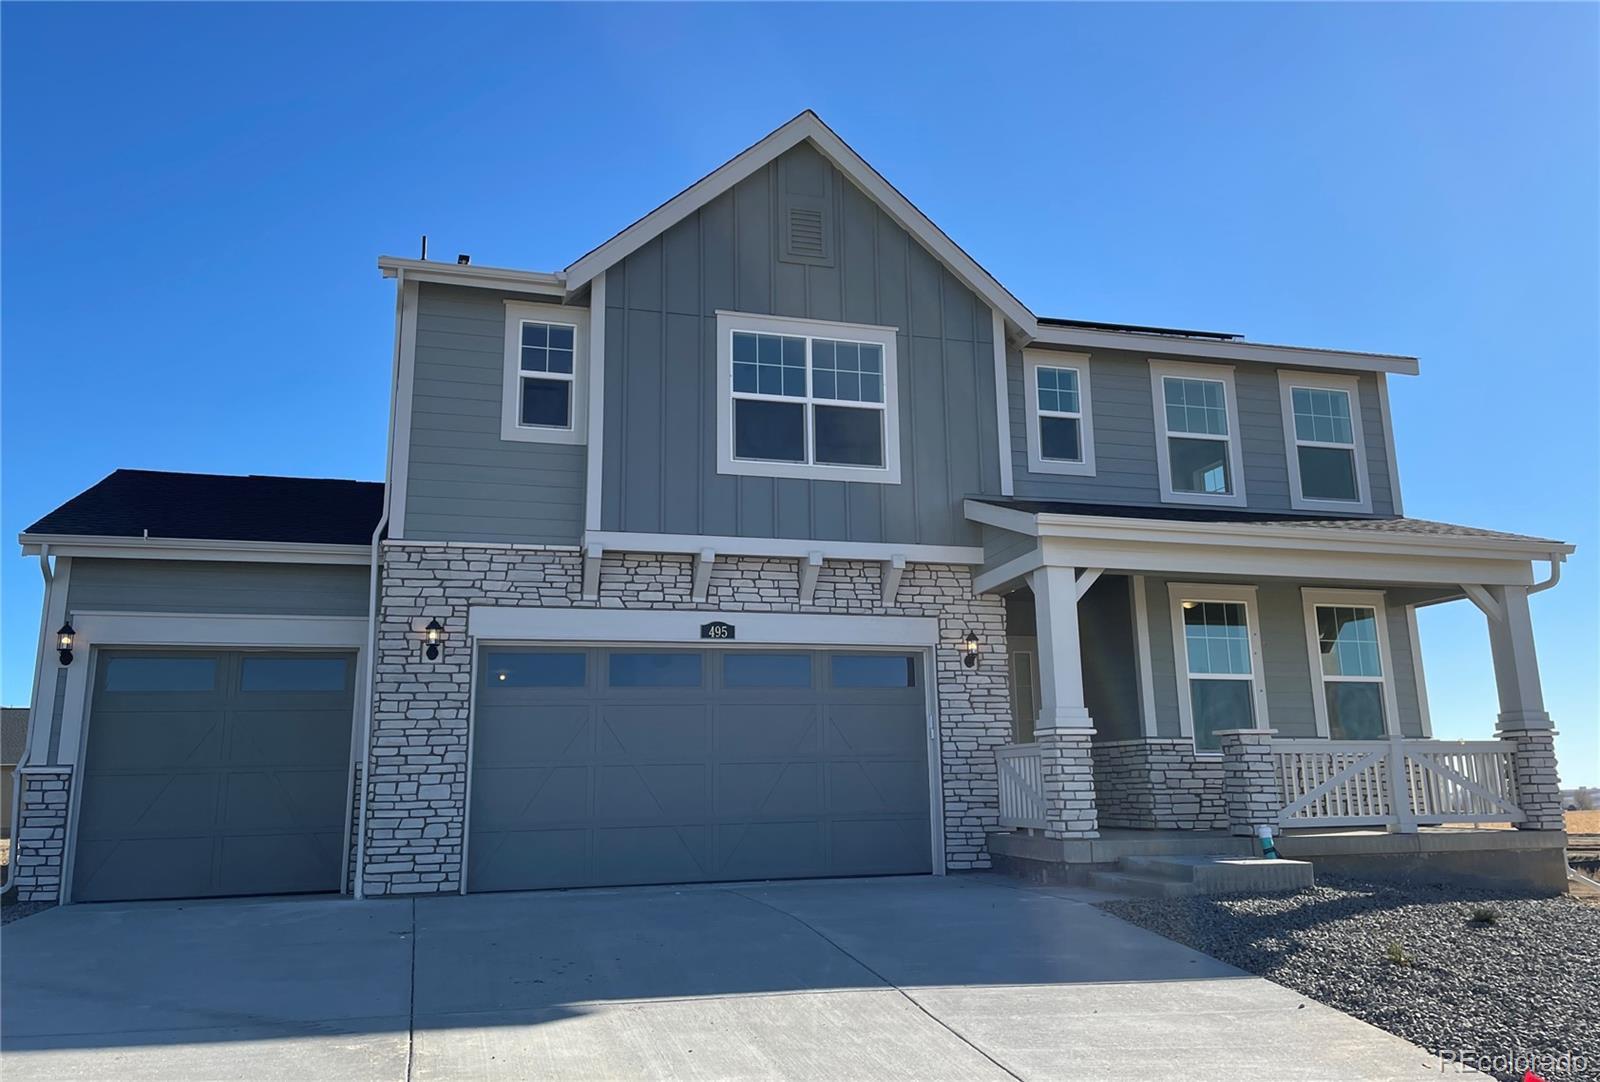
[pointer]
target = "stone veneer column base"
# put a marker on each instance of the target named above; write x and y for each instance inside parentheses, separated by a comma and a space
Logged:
(1158, 783)
(416, 814)
(39, 838)
(1538, 784)
(1067, 765)
(1248, 783)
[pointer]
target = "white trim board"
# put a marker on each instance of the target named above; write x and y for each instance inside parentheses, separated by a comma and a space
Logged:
(1258, 352)
(594, 479)
(797, 548)
(405, 384)
(553, 286)
(508, 623)
(1002, 403)
(187, 548)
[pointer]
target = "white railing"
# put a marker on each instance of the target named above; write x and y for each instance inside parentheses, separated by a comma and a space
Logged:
(1021, 772)
(1354, 782)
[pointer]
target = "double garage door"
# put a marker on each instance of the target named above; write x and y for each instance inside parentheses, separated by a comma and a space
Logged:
(612, 766)
(214, 773)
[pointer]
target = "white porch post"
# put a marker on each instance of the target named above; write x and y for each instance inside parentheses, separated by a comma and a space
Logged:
(1523, 721)
(1064, 730)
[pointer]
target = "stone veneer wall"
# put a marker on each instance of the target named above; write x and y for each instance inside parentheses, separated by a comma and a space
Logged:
(1158, 784)
(417, 804)
(39, 839)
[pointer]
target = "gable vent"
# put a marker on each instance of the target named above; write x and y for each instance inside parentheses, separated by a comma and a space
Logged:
(805, 233)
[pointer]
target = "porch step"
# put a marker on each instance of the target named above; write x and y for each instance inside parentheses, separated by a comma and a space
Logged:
(1175, 876)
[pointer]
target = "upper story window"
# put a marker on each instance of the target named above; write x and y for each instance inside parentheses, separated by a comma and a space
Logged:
(803, 398)
(1327, 458)
(1349, 638)
(1197, 433)
(1060, 424)
(546, 389)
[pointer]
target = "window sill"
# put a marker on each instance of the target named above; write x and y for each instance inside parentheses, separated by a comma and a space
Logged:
(1060, 467)
(1201, 499)
(1345, 507)
(531, 434)
(802, 472)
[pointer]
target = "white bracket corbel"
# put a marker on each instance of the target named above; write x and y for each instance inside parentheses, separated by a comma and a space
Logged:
(893, 568)
(1090, 576)
(1484, 600)
(810, 568)
(591, 570)
(702, 574)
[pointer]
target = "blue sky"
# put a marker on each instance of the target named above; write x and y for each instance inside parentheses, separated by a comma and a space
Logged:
(193, 198)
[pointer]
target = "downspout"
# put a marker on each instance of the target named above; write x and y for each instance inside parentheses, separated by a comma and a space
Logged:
(370, 691)
(21, 778)
(1556, 560)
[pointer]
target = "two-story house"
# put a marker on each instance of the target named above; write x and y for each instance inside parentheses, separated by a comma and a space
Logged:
(771, 538)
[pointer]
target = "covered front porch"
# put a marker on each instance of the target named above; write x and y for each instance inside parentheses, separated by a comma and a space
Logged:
(1204, 674)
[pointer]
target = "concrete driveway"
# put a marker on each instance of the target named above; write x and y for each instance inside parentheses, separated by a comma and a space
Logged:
(960, 977)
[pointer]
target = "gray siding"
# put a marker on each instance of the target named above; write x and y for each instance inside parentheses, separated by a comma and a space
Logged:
(1286, 658)
(464, 483)
(660, 398)
(1108, 649)
(1125, 436)
(183, 586)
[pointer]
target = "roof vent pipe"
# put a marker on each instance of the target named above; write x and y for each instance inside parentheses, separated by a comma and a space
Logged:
(463, 259)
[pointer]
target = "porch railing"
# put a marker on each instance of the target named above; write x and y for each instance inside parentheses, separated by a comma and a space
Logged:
(1399, 784)
(1021, 772)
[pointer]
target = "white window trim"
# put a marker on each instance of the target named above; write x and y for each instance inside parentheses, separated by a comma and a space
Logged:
(1325, 381)
(1032, 361)
(511, 426)
(1219, 373)
(886, 337)
(1178, 593)
(1371, 599)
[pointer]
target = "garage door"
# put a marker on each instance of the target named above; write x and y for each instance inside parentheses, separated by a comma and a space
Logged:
(214, 774)
(615, 766)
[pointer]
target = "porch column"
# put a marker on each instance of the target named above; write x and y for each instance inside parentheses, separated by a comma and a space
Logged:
(1523, 722)
(1064, 730)
(1248, 782)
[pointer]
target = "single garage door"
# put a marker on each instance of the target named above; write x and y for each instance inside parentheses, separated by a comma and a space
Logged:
(213, 774)
(605, 767)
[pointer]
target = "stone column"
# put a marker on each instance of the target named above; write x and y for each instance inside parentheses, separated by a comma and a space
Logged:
(1248, 783)
(39, 837)
(1523, 722)
(1064, 729)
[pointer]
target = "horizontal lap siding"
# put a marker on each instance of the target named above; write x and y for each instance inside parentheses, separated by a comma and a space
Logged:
(660, 462)
(217, 587)
(465, 483)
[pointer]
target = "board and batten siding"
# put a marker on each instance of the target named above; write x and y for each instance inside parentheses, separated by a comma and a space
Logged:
(1126, 470)
(660, 460)
(1291, 709)
(463, 482)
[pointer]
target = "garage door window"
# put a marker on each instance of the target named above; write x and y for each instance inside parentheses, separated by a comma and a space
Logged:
(874, 671)
(292, 674)
(549, 669)
(766, 670)
(160, 674)
(655, 670)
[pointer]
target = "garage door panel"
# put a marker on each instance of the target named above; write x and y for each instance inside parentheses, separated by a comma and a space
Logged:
(652, 792)
(877, 846)
(278, 863)
(137, 740)
(897, 788)
(527, 860)
(878, 729)
(769, 790)
(292, 735)
(127, 804)
(535, 734)
(116, 869)
(304, 799)
(518, 798)
(642, 731)
(657, 854)
(760, 730)
(795, 849)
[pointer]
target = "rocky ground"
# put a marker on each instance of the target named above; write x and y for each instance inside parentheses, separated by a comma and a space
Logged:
(1513, 981)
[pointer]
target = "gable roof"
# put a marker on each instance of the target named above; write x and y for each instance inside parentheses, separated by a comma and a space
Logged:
(219, 507)
(806, 126)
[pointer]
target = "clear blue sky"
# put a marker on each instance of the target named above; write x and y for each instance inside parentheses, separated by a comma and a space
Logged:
(194, 196)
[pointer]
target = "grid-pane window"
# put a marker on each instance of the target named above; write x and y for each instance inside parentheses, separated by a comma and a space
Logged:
(1352, 671)
(545, 374)
(1325, 445)
(1221, 675)
(1199, 449)
(1060, 413)
(809, 401)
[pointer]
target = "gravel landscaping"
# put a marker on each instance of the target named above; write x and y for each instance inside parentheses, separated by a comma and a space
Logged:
(1456, 971)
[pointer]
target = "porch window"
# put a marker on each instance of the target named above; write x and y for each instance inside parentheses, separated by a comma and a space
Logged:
(545, 392)
(1219, 662)
(1197, 441)
(807, 399)
(1327, 459)
(1350, 651)
(1060, 426)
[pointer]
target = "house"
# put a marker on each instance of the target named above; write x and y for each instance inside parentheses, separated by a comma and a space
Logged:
(773, 537)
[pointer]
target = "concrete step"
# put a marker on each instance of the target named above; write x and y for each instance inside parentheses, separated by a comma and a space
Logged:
(1140, 886)
(1177, 876)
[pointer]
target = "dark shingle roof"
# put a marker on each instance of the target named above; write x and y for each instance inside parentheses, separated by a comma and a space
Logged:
(13, 733)
(1390, 524)
(218, 507)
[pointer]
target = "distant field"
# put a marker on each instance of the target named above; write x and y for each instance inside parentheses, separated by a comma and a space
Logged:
(1583, 822)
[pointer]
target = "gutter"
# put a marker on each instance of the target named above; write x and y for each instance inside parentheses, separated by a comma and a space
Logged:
(359, 884)
(21, 778)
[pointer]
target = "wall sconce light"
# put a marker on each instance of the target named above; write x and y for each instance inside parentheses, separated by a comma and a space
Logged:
(969, 650)
(434, 634)
(64, 642)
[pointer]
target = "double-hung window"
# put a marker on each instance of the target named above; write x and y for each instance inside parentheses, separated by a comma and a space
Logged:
(802, 398)
(1060, 425)
(544, 398)
(1349, 640)
(1217, 644)
(1327, 458)
(1197, 433)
